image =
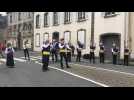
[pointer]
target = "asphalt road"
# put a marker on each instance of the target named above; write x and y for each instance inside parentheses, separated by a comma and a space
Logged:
(29, 74)
(81, 74)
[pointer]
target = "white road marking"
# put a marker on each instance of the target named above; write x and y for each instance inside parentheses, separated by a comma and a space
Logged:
(21, 60)
(90, 67)
(90, 80)
(4, 60)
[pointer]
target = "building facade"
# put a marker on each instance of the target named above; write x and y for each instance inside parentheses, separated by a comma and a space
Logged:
(72, 26)
(3, 29)
(20, 28)
(108, 27)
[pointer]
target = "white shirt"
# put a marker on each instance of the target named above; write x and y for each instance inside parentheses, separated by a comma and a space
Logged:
(45, 45)
(6, 51)
(25, 46)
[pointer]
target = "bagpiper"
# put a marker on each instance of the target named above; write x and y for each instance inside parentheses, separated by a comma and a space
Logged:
(115, 52)
(92, 54)
(54, 51)
(102, 53)
(63, 47)
(9, 51)
(45, 55)
(79, 48)
(69, 52)
(126, 56)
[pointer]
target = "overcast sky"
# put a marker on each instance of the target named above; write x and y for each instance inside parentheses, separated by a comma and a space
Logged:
(3, 13)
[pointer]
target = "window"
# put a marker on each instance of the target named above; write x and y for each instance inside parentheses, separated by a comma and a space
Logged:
(55, 18)
(67, 17)
(10, 18)
(81, 36)
(29, 14)
(81, 16)
(46, 36)
(46, 19)
(109, 14)
(67, 36)
(37, 40)
(38, 21)
(19, 16)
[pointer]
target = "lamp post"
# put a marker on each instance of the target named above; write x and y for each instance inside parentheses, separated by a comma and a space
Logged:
(92, 26)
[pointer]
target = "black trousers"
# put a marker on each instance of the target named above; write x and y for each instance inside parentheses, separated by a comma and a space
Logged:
(92, 57)
(102, 57)
(45, 61)
(1, 54)
(63, 55)
(78, 58)
(69, 56)
(26, 53)
(73, 53)
(54, 55)
(114, 59)
(126, 60)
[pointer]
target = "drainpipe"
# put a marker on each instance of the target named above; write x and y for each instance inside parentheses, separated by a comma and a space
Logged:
(92, 26)
(126, 29)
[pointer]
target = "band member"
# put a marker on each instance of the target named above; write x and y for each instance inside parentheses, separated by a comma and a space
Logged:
(63, 47)
(115, 52)
(126, 56)
(45, 55)
(26, 51)
(69, 52)
(101, 53)
(92, 54)
(72, 49)
(79, 51)
(10, 56)
(55, 49)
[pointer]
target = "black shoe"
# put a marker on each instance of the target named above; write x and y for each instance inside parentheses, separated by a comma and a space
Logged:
(68, 67)
(62, 67)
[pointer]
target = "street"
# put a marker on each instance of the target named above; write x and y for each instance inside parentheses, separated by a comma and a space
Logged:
(84, 74)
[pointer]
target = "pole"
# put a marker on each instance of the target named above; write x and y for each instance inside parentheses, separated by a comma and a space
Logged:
(92, 26)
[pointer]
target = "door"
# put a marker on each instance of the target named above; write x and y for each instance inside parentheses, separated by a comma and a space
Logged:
(56, 36)
(108, 40)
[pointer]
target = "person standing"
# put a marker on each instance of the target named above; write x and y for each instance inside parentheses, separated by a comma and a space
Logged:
(9, 51)
(79, 51)
(26, 51)
(63, 47)
(45, 55)
(115, 52)
(1, 49)
(72, 50)
(126, 56)
(69, 53)
(102, 53)
(54, 51)
(92, 54)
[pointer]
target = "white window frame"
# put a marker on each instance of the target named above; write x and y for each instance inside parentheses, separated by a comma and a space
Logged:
(68, 39)
(37, 40)
(44, 36)
(79, 37)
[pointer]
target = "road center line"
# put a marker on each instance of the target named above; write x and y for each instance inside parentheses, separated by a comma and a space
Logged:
(90, 67)
(98, 83)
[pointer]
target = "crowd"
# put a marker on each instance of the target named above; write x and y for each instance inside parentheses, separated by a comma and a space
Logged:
(66, 52)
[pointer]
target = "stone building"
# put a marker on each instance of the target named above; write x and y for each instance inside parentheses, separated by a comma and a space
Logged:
(108, 27)
(20, 28)
(3, 29)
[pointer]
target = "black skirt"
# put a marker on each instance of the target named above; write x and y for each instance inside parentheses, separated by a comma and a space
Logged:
(10, 60)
